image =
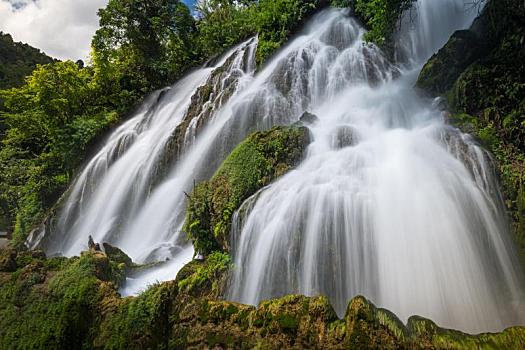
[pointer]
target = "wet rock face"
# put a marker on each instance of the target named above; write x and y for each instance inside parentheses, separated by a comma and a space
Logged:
(480, 74)
(287, 82)
(442, 70)
(344, 136)
(308, 118)
(208, 98)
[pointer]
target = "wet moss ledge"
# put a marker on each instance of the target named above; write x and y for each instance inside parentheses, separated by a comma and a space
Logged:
(61, 303)
(253, 164)
(479, 72)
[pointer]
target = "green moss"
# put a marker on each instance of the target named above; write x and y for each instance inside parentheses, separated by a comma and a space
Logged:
(72, 303)
(140, 322)
(210, 270)
(117, 255)
(43, 309)
(253, 164)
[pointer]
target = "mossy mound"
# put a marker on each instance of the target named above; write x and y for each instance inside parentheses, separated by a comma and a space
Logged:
(253, 164)
(205, 278)
(480, 73)
(53, 303)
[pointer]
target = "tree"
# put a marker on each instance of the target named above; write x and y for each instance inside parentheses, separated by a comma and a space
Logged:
(149, 43)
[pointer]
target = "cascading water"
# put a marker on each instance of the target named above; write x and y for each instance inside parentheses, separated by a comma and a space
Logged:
(120, 196)
(390, 202)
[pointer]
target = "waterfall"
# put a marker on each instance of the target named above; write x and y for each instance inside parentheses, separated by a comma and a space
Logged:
(132, 192)
(390, 202)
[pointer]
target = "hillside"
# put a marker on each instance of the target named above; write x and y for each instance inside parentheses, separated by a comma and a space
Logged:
(18, 60)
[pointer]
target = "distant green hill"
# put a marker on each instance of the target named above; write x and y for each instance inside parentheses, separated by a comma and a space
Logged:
(17, 60)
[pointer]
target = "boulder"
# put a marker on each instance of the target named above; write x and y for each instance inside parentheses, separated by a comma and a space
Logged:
(117, 255)
(308, 118)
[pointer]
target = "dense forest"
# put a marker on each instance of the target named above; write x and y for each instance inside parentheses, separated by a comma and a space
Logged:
(54, 115)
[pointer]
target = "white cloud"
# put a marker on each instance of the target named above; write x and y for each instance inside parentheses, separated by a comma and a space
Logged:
(61, 28)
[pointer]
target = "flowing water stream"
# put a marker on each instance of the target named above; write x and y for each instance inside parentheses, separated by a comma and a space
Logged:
(390, 202)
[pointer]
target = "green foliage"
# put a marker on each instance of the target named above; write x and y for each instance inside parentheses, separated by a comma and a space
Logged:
(382, 18)
(277, 20)
(253, 164)
(341, 3)
(222, 25)
(142, 45)
(225, 23)
(51, 120)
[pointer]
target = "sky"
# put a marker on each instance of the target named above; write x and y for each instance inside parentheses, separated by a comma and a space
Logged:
(61, 28)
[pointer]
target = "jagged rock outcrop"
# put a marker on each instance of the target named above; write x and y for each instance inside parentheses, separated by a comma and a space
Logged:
(117, 255)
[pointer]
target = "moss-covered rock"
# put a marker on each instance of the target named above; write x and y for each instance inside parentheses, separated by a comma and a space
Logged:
(141, 322)
(63, 303)
(205, 278)
(53, 303)
(117, 255)
(463, 48)
(257, 161)
(8, 260)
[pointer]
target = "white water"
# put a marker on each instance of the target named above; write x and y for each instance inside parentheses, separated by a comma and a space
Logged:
(123, 196)
(390, 202)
